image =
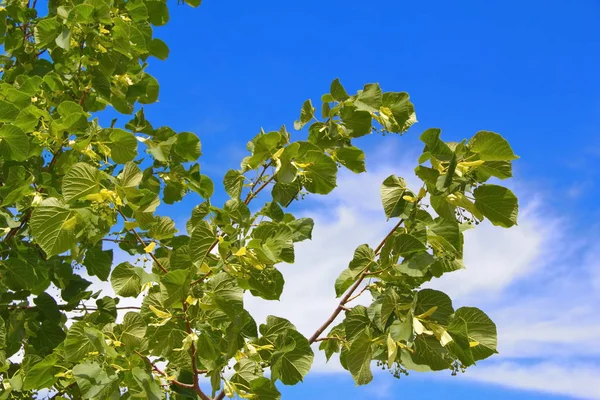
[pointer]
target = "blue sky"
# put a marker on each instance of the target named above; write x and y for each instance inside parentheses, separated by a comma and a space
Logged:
(525, 69)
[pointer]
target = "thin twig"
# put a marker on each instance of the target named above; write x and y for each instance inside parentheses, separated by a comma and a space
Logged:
(141, 241)
(358, 294)
(262, 173)
(160, 372)
(252, 195)
(322, 339)
(347, 296)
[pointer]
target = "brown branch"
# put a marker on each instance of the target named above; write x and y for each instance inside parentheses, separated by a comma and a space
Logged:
(220, 396)
(197, 372)
(253, 193)
(345, 299)
(141, 241)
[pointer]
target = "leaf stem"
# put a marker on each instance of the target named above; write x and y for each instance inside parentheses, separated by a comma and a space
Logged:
(141, 241)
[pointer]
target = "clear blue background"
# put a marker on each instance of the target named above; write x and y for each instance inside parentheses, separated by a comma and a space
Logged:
(526, 69)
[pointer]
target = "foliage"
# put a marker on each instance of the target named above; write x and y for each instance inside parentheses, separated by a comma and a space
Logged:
(69, 188)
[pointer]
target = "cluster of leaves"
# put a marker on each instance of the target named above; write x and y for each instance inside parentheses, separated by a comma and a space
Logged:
(71, 191)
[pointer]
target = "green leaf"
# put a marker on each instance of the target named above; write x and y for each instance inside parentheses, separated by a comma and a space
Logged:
(389, 302)
(63, 40)
(201, 241)
(14, 143)
(491, 147)
(290, 366)
(369, 98)
(427, 299)
(131, 175)
(498, 204)
(359, 359)
(285, 193)
(81, 340)
(174, 286)
(352, 158)
(397, 112)
(363, 256)
(202, 185)
(95, 382)
(357, 122)
(402, 329)
(52, 225)
(267, 283)
(81, 13)
(337, 90)
(416, 265)
(133, 330)
(147, 383)
(345, 280)
(306, 114)
(481, 331)
(444, 209)
(320, 174)
(499, 169)
(46, 31)
(193, 3)
(264, 389)
(8, 111)
(446, 237)
(226, 294)
(435, 146)
(22, 275)
(233, 183)
(392, 190)
(81, 180)
(188, 146)
(301, 229)
(163, 339)
(163, 228)
(405, 244)
(428, 351)
(357, 321)
(125, 281)
(41, 375)
(137, 11)
(158, 12)
(123, 146)
(98, 262)
(158, 49)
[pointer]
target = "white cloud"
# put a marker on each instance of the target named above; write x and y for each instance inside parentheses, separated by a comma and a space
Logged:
(572, 379)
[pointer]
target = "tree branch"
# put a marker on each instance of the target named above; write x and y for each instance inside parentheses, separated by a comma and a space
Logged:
(195, 369)
(342, 304)
(253, 194)
(262, 173)
(220, 396)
